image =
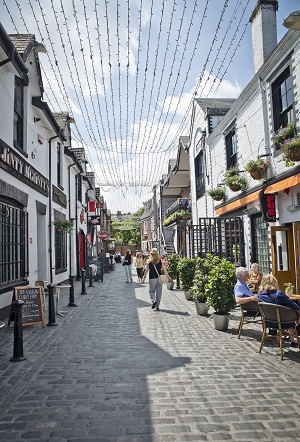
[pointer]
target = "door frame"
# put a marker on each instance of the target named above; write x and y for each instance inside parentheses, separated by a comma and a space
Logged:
(289, 275)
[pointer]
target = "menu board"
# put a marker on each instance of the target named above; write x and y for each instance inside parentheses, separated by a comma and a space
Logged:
(95, 266)
(32, 309)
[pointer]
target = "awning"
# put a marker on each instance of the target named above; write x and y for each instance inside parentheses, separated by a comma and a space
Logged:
(237, 204)
(283, 184)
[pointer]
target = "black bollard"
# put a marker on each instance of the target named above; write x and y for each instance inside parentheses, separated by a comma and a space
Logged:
(91, 276)
(71, 293)
(83, 290)
(51, 322)
(18, 333)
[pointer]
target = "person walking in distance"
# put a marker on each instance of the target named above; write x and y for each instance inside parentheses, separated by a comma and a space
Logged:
(155, 267)
(127, 261)
(139, 264)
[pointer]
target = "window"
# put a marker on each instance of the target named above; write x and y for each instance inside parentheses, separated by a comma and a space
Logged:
(282, 98)
(231, 149)
(260, 243)
(58, 164)
(199, 174)
(79, 188)
(18, 113)
(60, 247)
(13, 244)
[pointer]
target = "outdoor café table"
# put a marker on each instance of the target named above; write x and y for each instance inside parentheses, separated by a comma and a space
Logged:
(294, 297)
(58, 288)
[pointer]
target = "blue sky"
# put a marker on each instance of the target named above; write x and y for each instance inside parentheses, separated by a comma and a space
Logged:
(127, 72)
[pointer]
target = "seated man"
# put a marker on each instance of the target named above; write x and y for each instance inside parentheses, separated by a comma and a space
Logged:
(242, 292)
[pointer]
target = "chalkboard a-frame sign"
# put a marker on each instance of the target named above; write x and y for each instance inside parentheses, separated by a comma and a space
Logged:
(32, 309)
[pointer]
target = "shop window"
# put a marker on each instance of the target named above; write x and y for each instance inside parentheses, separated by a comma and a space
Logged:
(18, 113)
(199, 174)
(60, 247)
(13, 245)
(282, 100)
(231, 148)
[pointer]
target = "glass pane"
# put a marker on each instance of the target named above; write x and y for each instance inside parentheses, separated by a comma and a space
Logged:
(282, 254)
(289, 97)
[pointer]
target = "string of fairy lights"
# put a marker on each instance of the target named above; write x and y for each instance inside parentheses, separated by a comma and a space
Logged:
(126, 72)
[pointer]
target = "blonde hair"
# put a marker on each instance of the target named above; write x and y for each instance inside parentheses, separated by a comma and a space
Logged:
(154, 256)
(268, 282)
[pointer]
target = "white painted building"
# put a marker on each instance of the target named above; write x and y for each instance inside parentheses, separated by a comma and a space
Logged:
(241, 134)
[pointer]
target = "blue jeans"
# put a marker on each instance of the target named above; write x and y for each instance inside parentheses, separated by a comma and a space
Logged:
(128, 272)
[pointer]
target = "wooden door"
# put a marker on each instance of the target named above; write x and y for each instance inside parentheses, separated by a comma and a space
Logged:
(296, 233)
(283, 255)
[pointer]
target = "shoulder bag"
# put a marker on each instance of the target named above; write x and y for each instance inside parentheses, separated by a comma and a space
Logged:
(162, 279)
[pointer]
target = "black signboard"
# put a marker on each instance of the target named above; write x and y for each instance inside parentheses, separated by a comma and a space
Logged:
(95, 266)
(32, 309)
(105, 260)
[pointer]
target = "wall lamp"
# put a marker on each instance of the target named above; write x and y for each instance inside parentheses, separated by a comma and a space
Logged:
(292, 21)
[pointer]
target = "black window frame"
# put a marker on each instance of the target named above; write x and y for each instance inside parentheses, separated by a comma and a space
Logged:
(18, 132)
(282, 100)
(231, 148)
(60, 247)
(14, 261)
(200, 174)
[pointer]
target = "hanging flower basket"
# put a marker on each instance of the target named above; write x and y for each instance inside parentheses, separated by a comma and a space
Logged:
(257, 168)
(291, 151)
(63, 225)
(234, 187)
(217, 194)
(234, 180)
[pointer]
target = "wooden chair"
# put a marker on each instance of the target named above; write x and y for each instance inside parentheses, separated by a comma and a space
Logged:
(250, 314)
(279, 318)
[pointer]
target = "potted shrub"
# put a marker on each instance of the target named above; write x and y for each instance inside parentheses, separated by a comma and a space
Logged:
(219, 291)
(172, 269)
(217, 194)
(257, 168)
(203, 267)
(234, 180)
(289, 288)
(186, 271)
(63, 225)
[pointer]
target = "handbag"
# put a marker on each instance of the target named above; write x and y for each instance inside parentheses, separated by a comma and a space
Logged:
(162, 279)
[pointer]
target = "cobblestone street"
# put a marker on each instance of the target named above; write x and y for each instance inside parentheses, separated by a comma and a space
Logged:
(114, 370)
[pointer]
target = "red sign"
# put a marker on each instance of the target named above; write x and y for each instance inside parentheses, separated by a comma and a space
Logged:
(102, 235)
(268, 206)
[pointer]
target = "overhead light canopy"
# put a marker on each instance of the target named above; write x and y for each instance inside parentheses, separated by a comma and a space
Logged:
(292, 21)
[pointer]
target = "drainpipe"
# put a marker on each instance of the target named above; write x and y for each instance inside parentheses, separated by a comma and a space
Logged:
(50, 208)
(84, 177)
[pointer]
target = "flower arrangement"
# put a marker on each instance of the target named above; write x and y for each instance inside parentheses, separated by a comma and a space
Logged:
(182, 214)
(257, 168)
(217, 194)
(63, 225)
(234, 180)
(289, 287)
(283, 134)
(291, 151)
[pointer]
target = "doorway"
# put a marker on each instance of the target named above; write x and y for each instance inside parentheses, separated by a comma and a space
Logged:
(283, 255)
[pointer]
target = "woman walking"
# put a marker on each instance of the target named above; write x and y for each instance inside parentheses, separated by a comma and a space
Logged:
(155, 267)
(139, 264)
(127, 261)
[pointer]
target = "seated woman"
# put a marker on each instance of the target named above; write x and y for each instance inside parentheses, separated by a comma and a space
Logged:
(270, 293)
(254, 278)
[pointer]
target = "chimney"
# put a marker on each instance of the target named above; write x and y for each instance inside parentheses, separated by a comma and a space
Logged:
(264, 31)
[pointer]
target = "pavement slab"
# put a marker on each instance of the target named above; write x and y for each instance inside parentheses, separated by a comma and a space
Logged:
(115, 370)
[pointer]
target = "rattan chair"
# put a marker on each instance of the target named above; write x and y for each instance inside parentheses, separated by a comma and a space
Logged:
(279, 318)
(250, 314)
